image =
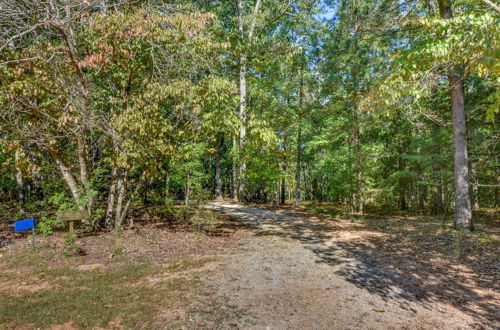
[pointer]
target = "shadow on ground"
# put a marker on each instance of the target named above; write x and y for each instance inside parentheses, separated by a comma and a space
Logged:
(407, 259)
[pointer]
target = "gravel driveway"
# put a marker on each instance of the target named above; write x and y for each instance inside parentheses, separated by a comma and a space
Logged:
(293, 275)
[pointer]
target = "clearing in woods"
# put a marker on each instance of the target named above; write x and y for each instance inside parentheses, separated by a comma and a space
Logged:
(277, 268)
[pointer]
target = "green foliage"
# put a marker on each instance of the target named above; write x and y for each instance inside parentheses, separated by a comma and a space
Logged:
(46, 225)
(61, 201)
(71, 248)
(147, 104)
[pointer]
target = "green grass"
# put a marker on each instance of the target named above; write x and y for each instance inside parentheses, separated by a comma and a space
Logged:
(123, 295)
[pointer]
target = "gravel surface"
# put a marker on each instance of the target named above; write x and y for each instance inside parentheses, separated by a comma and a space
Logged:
(292, 275)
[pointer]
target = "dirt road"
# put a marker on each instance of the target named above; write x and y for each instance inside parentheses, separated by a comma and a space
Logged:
(294, 275)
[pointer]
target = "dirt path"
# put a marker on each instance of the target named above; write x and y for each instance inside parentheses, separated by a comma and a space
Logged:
(294, 275)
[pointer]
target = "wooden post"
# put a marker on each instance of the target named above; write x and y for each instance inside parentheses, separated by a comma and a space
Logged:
(71, 217)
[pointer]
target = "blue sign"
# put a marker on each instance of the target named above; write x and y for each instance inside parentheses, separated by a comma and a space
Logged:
(24, 224)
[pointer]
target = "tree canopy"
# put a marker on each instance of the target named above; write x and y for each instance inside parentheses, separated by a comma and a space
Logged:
(372, 104)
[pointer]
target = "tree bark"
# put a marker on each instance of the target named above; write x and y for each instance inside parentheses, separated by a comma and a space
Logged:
(283, 178)
(403, 205)
(124, 212)
(422, 188)
(242, 108)
(167, 186)
(82, 162)
(122, 191)
(114, 183)
(463, 212)
(218, 165)
(19, 180)
(69, 178)
(243, 130)
(359, 203)
(243, 94)
(474, 186)
(234, 172)
(298, 196)
(111, 196)
(437, 189)
(187, 189)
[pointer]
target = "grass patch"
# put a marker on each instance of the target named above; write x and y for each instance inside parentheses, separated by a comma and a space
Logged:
(94, 298)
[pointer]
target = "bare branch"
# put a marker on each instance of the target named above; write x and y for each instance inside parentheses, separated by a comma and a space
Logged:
(19, 35)
(491, 4)
(254, 19)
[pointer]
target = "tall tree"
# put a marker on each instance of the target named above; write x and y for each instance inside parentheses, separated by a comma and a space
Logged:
(246, 35)
(463, 211)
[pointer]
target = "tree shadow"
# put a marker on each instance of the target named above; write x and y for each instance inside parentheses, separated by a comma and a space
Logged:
(384, 261)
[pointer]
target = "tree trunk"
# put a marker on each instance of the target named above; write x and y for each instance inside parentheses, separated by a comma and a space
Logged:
(218, 160)
(463, 212)
(114, 185)
(130, 200)
(68, 177)
(403, 205)
(186, 189)
(82, 162)
(234, 172)
(474, 187)
(19, 180)
(298, 196)
(299, 165)
(437, 190)
(111, 196)
(243, 93)
(422, 193)
(242, 109)
(422, 188)
(122, 191)
(243, 129)
(283, 178)
(167, 187)
(358, 202)
(283, 191)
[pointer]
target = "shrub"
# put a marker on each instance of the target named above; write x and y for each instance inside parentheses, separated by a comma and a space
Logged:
(46, 225)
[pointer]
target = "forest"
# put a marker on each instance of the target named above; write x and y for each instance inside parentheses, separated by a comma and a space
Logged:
(387, 104)
(261, 164)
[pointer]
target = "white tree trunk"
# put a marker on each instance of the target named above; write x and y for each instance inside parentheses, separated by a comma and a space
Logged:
(111, 196)
(122, 190)
(243, 93)
(82, 162)
(19, 180)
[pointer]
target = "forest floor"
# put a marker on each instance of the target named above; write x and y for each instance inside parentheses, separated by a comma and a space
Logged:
(146, 277)
(262, 267)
